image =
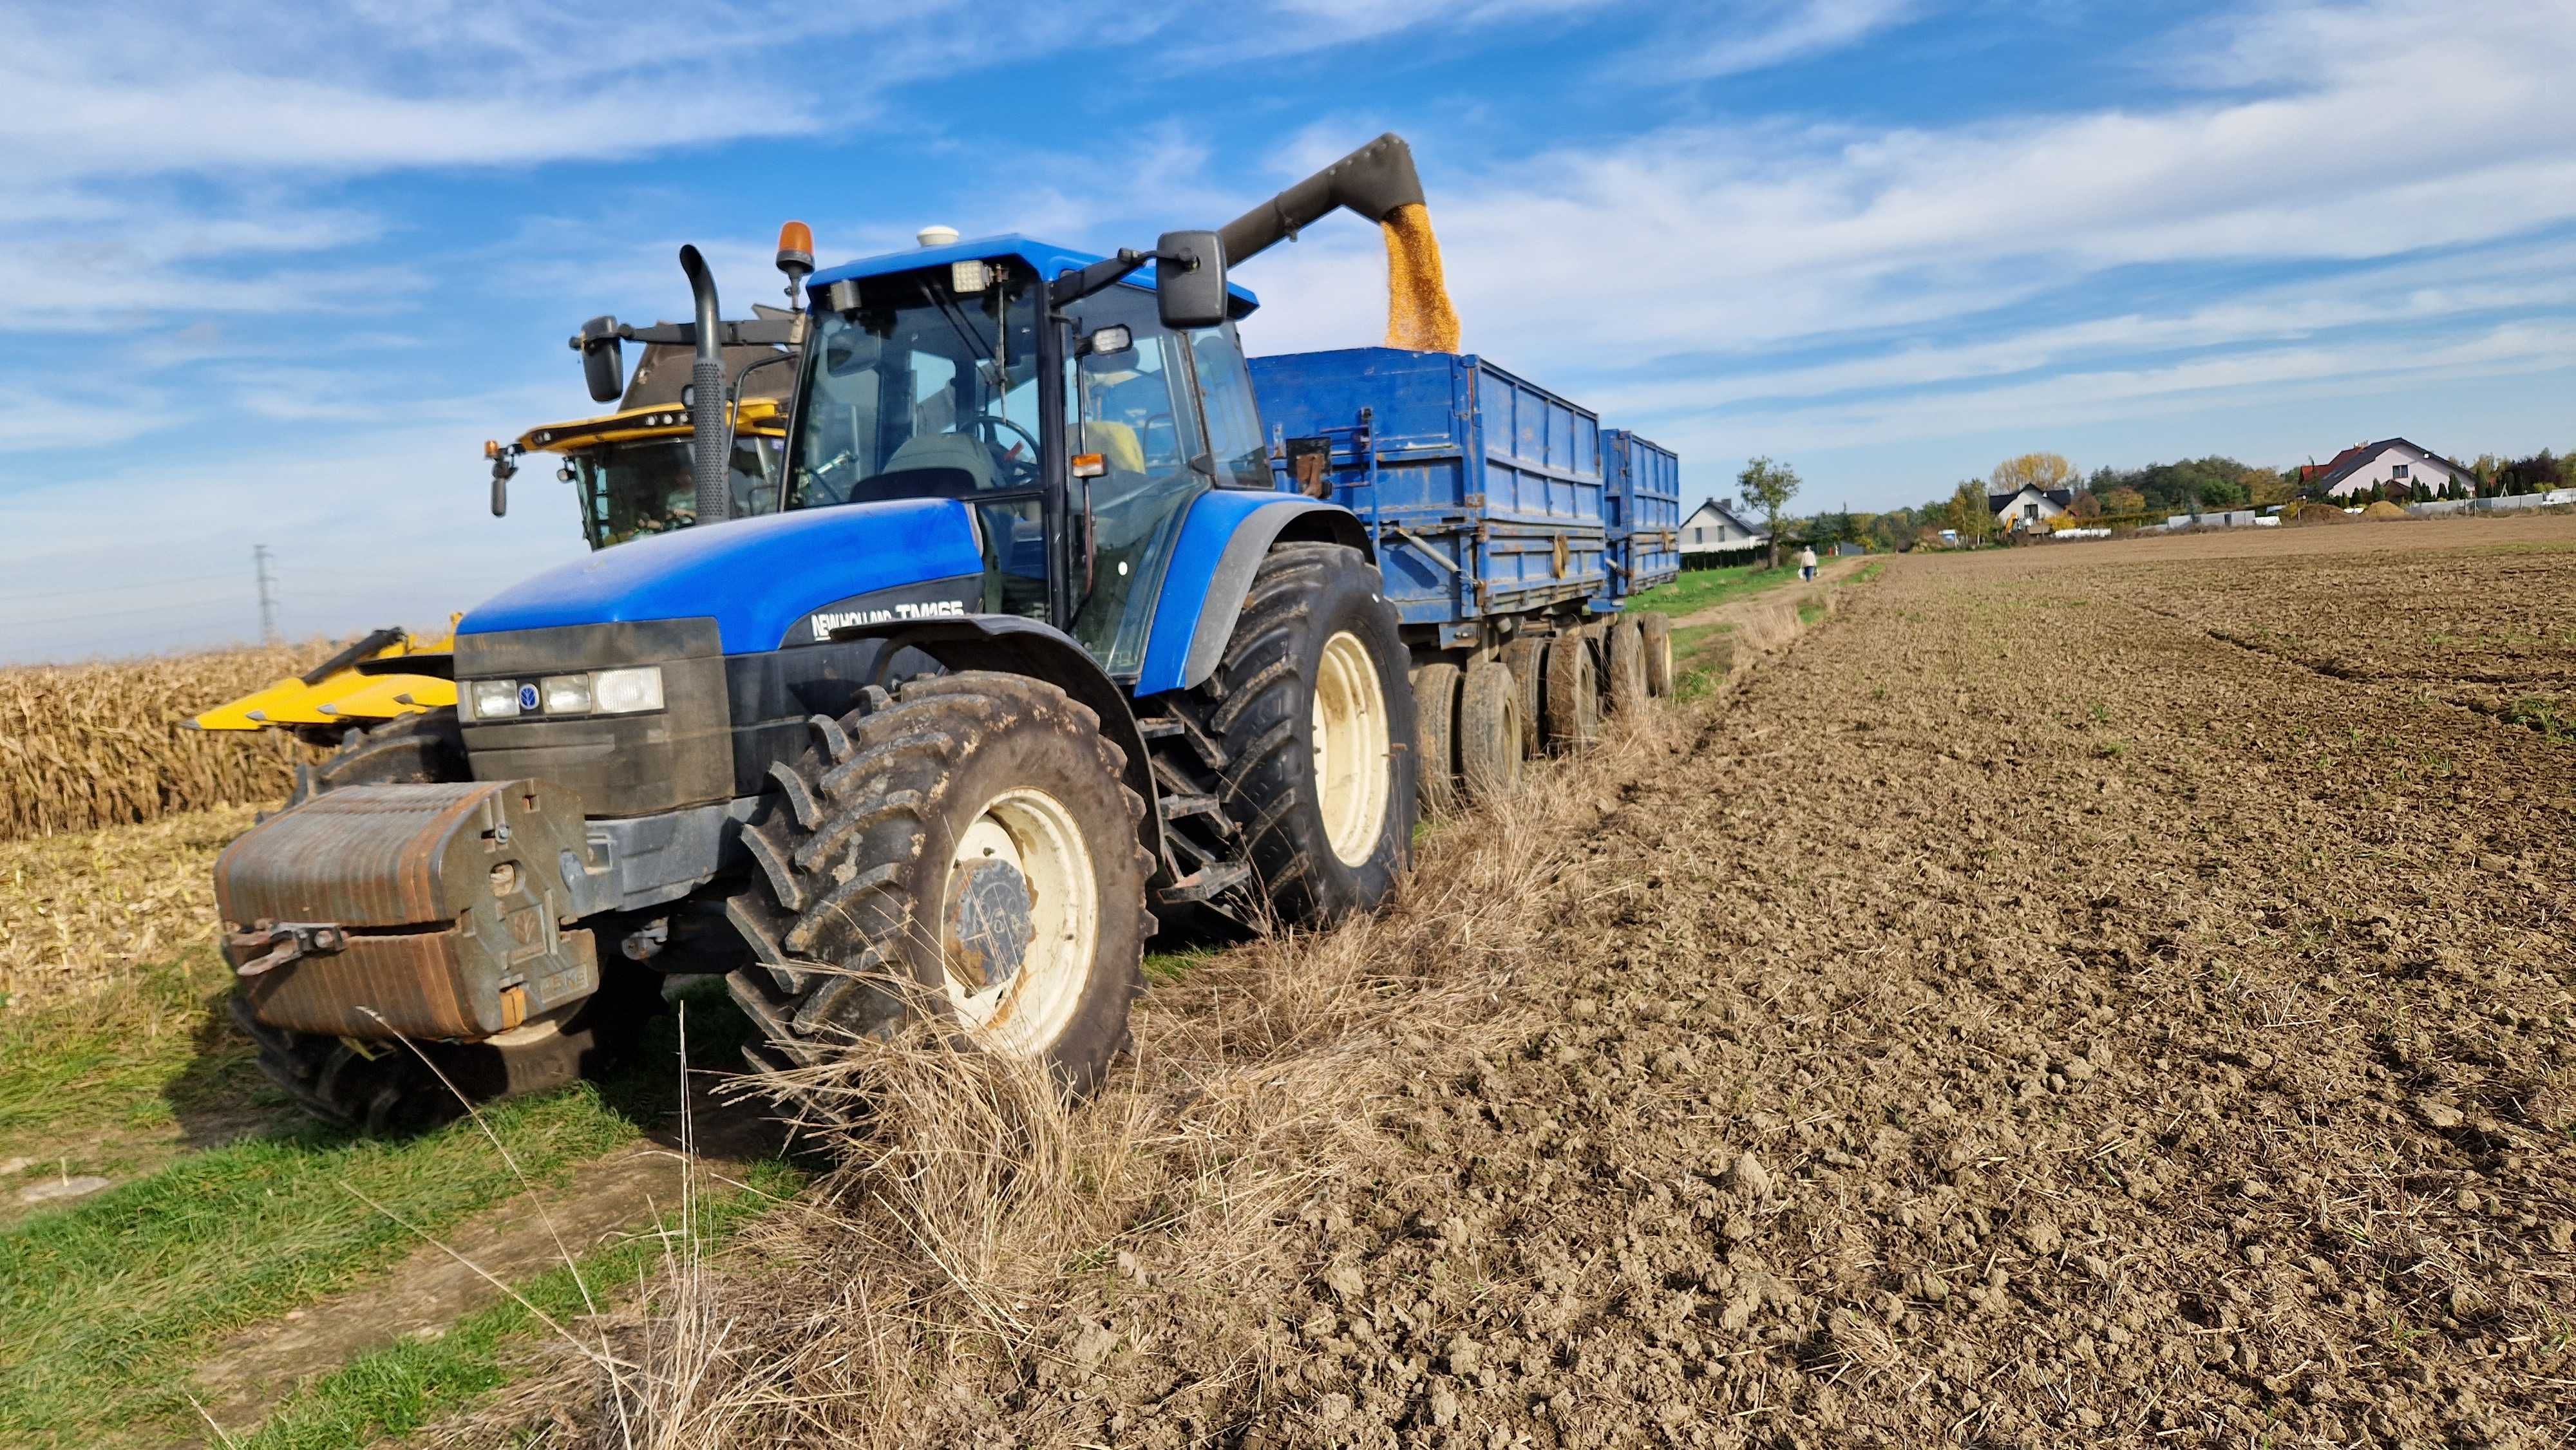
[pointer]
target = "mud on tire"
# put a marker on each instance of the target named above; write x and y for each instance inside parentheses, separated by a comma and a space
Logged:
(964, 845)
(1314, 616)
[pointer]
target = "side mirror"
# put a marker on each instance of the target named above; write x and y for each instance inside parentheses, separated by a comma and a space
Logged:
(504, 463)
(603, 359)
(1189, 280)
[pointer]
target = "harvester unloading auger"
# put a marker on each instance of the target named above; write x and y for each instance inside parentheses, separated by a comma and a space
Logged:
(1045, 644)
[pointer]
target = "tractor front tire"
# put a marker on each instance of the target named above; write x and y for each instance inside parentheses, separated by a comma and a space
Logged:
(423, 749)
(1312, 713)
(963, 847)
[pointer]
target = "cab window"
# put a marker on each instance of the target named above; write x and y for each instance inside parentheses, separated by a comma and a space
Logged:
(1233, 424)
(1134, 409)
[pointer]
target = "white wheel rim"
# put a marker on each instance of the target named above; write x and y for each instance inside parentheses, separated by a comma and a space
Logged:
(1352, 748)
(1035, 997)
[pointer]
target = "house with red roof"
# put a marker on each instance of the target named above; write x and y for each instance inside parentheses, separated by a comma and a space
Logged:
(2390, 464)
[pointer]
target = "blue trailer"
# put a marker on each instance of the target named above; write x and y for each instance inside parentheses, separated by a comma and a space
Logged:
(1041, 649)
(1483, 491)
(1642, 493)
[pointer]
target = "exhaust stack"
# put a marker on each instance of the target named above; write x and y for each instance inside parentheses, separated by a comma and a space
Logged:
(711, 423)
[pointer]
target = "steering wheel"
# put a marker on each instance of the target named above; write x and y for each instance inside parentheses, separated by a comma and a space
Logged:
(1023, 472)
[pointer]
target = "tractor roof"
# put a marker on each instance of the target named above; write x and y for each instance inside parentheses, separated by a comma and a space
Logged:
(1045, 258)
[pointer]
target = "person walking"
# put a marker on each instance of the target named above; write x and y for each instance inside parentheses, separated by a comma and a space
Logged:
(1807, 564)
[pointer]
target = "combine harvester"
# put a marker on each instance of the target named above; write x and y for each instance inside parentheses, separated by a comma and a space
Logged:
(632, 475)
(1049, 635)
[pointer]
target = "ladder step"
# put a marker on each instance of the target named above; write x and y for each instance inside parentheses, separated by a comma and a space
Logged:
(1157, 727)
(1205, 884)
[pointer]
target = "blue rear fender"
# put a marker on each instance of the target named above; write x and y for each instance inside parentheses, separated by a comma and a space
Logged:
(1222, 542)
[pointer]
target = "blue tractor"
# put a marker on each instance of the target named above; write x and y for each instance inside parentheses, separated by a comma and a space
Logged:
(1036, 651)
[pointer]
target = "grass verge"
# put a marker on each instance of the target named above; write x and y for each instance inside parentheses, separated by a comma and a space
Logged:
(402, 1387)
(1697, 589)
(104, 1303)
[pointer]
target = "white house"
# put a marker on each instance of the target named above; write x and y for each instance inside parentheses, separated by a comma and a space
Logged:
(2389, 464)
(1717, 525)
(2029, 508)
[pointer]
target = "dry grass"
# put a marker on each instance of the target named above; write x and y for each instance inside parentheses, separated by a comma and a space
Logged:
(980, 1233)
(84, 911)
(94, 745)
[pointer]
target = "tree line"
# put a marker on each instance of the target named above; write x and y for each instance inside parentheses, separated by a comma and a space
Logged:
(2132, 495)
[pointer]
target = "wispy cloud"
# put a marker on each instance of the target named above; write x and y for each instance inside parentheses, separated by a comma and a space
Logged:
(1730, 40)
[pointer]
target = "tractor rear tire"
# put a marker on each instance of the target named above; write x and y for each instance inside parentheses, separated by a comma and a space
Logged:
(1435, 721)
(422, 749)
(1489, 732)
(964, 847)
(1573, 694)
(1625, 648)
(1327, 816)
(1657, 630)
(1525, 657)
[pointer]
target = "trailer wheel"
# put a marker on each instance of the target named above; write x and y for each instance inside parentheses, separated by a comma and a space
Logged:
(1626, 651)
(964, 846)
(1435, 720)
(1305, 710)
(1525, 658)
(1489, 731)
(1657, 629)
(1573, 694)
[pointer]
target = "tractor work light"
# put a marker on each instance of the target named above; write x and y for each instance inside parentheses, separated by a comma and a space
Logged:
(969, 277)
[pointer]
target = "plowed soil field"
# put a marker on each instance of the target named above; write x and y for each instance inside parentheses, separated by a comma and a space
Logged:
(2048, 1005)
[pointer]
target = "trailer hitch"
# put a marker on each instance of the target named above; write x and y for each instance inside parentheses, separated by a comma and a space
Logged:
(286, 941)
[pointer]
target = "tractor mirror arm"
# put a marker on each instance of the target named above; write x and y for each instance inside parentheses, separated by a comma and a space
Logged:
(1108, 272)
(753, 332)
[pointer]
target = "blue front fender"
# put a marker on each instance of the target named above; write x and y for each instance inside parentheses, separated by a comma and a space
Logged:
(1221, 545)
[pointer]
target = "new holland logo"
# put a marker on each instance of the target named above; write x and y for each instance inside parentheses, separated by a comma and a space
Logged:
(825, 621)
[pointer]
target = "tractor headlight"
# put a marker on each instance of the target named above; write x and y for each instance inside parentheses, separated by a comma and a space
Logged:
(494, 699)
(567, 694)
(627, 692)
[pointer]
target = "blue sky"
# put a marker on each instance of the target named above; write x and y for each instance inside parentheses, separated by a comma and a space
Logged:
(275, 272)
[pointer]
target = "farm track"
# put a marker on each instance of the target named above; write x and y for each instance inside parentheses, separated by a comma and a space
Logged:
(2017, 1017)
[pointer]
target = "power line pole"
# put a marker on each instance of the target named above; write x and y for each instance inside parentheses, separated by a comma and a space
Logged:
(267, 599)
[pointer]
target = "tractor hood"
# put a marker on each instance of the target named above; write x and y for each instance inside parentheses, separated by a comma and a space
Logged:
(762, 580)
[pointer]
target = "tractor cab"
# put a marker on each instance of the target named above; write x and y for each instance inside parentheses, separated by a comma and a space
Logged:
(1078, 429)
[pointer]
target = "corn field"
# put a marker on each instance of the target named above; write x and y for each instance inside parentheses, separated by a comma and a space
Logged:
(94, 745)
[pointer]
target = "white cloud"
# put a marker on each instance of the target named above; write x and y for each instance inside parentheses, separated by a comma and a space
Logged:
(1767, 33)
